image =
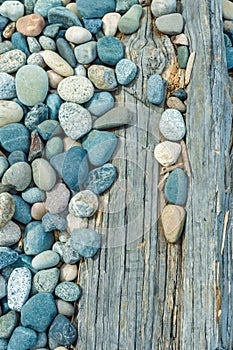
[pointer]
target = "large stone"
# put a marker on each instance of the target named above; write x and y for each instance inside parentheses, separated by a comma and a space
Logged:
(173, 218)
(12, 10)
(44, 175)
(57, 63)
(163, 7)
(100, 179)
(13, 176)
(110, 50)
(30, 25)
(18, 288)
(9, 234)
(36, 240)
(62, 331)
(14, 137)
(171, 24)
(95, 8)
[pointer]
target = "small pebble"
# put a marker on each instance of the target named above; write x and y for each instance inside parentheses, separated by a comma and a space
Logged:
(100, 103)
(130, 22)
(33, 45)
(57, 63)
(173, 218)
(36, 239)
(171, 24)
(13, 176)
(18, 288)
(45, 281)
(110, 57)
(76, 89)
(53, 147)
(176, 186)
(62, 331)
(7, 87)
(176, 103)
(84, 204)
(19, 42)
(33, 195)
(181, 94)
(9, 30)
(93, 25)
(126, 71)
(183, 56)
(51, 222)
(68, 291)
(78, 35)
(102, 77)
(180, 39)
(110, 23)
(45, 260)
(167, 153)
(163, 7)
(10, 112)
(65, 308)
(114, 118)
(44, 175)
(54, 79)
(35, 116)
(8, 323)
(47, 43)
(57, 199)
(66, 52)
(30, 25)
(155, 89)
(86, 242)
(53, 103)
(172, 125)
(7, 208)
(100, 179)
(74, 222)
(26, 337)
(38, 210)
(68, 273)
(95, 8)
(51, 30)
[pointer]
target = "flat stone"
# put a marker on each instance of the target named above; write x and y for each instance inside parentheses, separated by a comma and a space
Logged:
(180, 39)
(42, 7)
(110, 23)
(126, 71)
(44, 175)
(63, 16)
(22, 339)
(33, 195)
(45, 260)
(65, 50)
(36, 239)
(76, 89)
(227, 9)
(93, 25)
(22, 210)
(155, 89)
(7, 208)
(68, 272)
(8, 323)
(171, 24)
(163, 7)
(176, 187)
(18, 288)
(78, 35)
(102, 77)
(57, 199)
(68, 291)
(84, 204)
(7, 257)
(51, 30)
(57, 63)
(3, 291)
(172, 125)
(95, 8)
(45, 281)
(62, 331)
(38, 210)
(100, 179)
(167, 153)
(86, 53)
(86, 242)
(51, 222)
(130, 22)
(10, 112)
(100, 103)
(64, 308)
(183, 56)
(39, 312)
(107, 56)
(13, 176)
(114, 118)
(53, 147)
(123, 6)
(173, 218)
(12, 10)
(30, 25)
(176, 103)
(7, 87)
(12, 60)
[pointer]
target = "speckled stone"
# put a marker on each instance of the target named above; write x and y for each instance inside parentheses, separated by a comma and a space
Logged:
(18, 288)
(126, 71)
(11, 61)
(68, 291)
(51, 222)
(10, 112)
(163, 7)
(65, 50)
(65, 308)
(100, 179)
(47, 43)
(13, 176)
(45, 281)
(51, 30)
(44, 175)
(176, 186)
(76, 89)
(7, 257)
(155, 89)
(8, 323)
(86, 242)
(95, 8)
(22, 210)
(173, 218)
(35, 116)
(45, 260)
(172, 125)
(86, 53)
(7, 86)
(42, 7)
(78, 35)
(102, 77)
(70, 256)
(57, 63)
(110, 57)
(9, 234)
(30, 25)
(26, 337)
(12, 10)
(36, 239)
(75, 120)
(53, 147)
(57, 199)
(84, 204)
(100, 103)
(39, 312)
(130, 22)
(167, 153)
(171, 24)
(33, 45)
(114, 118)
(33, 195)
(62, 332)
(7, 208)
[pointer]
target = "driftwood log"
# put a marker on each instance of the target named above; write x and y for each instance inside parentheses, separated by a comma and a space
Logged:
(141, 292)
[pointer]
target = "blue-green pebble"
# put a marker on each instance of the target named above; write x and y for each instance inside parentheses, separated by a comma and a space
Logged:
(110, 50)
(126, 71)
(19, 42)
(62, 332)
(53, 103)
(183, 56)
(8, 323)
(100, 179)
(100, 103)
(66, 52)
(68, 291)
(3, 344)
(85, 241)
(155, 89)
(52, 222)
(36, 239)
(4, 165)
(93, 25)
(86, 53)
(95, 8)
(17, 157)
(124, 5)
(3, 22)
(7, 257)
(14, 137)
(63, 16)
(176, 187)
(51, 30)
(53, 147)
(57, 162)
(42, 7)
(33, 195)
(45, 281)
(22, 210)
(48, 129)
(22, 339)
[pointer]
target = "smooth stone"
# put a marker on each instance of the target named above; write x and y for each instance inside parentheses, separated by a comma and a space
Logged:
(4, 344)
(183, 56)
(76, 89)
(74, 222)
(68, 291)
(86, 242)
(107, 55)
(78, 35)
(84, 204)
(70, 256)
(8, 323)
(155, 89)
(86, 53)
(47, 43)
(102, 77)
(126, 71)
(51, 30)
(45, 260)
(66, 52)
(44, 175)
(181, 94)
(5, 46)
(167, 153)
(80, 70)
(9, 30)
(57, 63)
(53, 147)
(31, 91)
(64, 308)
(95, 8)
(45, 281)
(12, 10)
(171, 24)
(62, 331)
(7, 88)
(38, 211)
(57, 199)
(72, 7)
(68, 272)
(173, 218)
(229, 57)
(163, 7)
(33, 195)
(48, 129)
(30, 25)
(9, 234)
(227, 9)
(42, 7)
(7, 257)
(75, 167)
(180, 39)
(18, 288)
(22, 339)
(22, 210)
(12, 60)
(63, 16)
(130, 22)
(176, 103)
(176, 187)
(3, 291)
(74, 119)
(13, 176)
(36, 59)
(93, 25)
(51, 222)
(19, 42)
(53, 103)
(17, 156)
(33, 45)
(36, 146)
(4, 306)
(7, 208)
(57, 162)
(39, 312)
(69, 143)
(123, 6)
(10, 112)
(114, 118)
(4, 165)
(100, 103)
(41, 341)
(172, 125)
(36, 239)
(110, 23)
(100, 179)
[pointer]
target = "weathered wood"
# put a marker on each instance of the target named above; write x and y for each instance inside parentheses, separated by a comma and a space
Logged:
(140, 292)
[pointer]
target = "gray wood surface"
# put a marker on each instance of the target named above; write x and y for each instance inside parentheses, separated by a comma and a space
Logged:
(141, 292)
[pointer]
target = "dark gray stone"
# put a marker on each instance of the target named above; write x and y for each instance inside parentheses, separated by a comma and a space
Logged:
(62, 331)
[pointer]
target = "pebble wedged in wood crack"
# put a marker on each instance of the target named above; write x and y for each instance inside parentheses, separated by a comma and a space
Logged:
(114, 118)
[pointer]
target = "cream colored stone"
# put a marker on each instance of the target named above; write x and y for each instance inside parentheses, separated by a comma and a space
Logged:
(68, 272)
(180, 39)
(78, 35)
(38, 210)
(189, 67)
(74, 223)
(173, 218)
(68, 143)
(73, 7)
(10, 112)
(110, 23)
(57, 63)
(227, 9)
(54, 79)
(175, 102)
(167, 153)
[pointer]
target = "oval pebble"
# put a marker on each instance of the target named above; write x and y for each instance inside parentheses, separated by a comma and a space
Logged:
(36, 240)
(26, 337)
(167, 153)
(22, 210)
(173, 218)
(44, 175)
(86, 242)
(30, 25)
(64, 307)
(100, 103)
(18, 288)
(62, 331)
(14, 137)
(163, 7)
(110, 57)
(130, 22)
(38, 210)
(13, 176)
(57, 199)
(171, 24)
(110, 23)
(68, 291)
(126, 71)
(68, 272)
(10, 112)
(155, 89)
(86, 53)
(78, 35)
(33, 195)
(57, 63)
(8, 323)
(45, 260)
(17, 157)
(176, 103)
(7, 86)
(12, 60)
(76, 89)
(175, 189)
(45, 281)
(9, 234)
(84, 204)
(53, 147)
(7, 208)
(172, 125)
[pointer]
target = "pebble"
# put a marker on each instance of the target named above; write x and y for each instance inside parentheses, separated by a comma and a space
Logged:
(39, 312)
(84, 204)
(176, 103)
(18, 288)
(68, 272)
(62, 331)
(45, 260)
(19, 42)
(36, 146)
(10, 112)
(17, 156)
(12, 10)
(41, 342)
(57, 199)
(163, 7)
(3, 291)
(22, 210)
(100, 103)
(167, 153)
(172, 125)
(8, 323)
(9, 234)
(102, 77)
(227, 9)
(130, 22)
(229, 57)
(123, 6)
(100, 146)
(12, 60)
(35, 116)
(176, 186)
(36, 59)
(69, 143)
(45, 281)
(86, 53)
(74, 222)
(47, 43)
(7, 257)
(9, 30)
(78, 35)
(70, 256)
(114, 118)
(51, 30)
(53, 147)
(4, 165)
(57, 63)
(110, 23)
(5, 46)
(180, 39)
(95, 8)
(13, 176)
(22, 339)
(75, 167)
(110, 57)
(171, 24)
(38, 211)
(100, 179)
(36, 239)
(63, 16)
(155, 89)
(76, 89)
(7, 208)
(57, 162)
(126, 71)
(93, 25)
(181, 94)
(48, 129)
(173, 218)
(33, 195)
(53, 103)
(4, 343)
(30, 25)
(42, 7)
(68, 291)
(31, 91)
(64, 308)
(183, 56)
(66, 52)
(51, 222)
(3, 22)
(33, 44)
(44, 175)
(86, 242)
(7, 87)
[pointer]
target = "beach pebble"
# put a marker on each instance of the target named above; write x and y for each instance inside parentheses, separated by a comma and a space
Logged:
(8, 323)
(4, 165)
(35, 116)
(180, 39)
(30, 25)
(110, 23)
(110, 57)
(227, 9)
(57, 63)
(41, 341)
(68, 291)
(36, 239)
(70, 256)
(78, 35)
(54, 79)
(65, 308)
(172, 125)
(181, 94)
(126, 71)
(167, 153)
(123, 6)
(86, 53)
(65, 51)
(36, 59)
(47, 43)
(12, 10)
(114, 118)
(38, 210)
(62, 331)
(100, 103)
(7, 257)
(33, 195)
(26, 337)
(42, 7)
(84, 204)
(45, 281)
(74, 222)
(18, 288)
(45, 260)
(173, 218)
(100, 179)
(130, 22)
(7, 86)
(10, 112)
(163, 7)
(19, 42)
(44, 175)
(95, 8)
(9, 234)
(155, 89)
(63, 16)
(102, 77)
(33, 45)
(7, 208)
(22, 210)
(176, 103)
(57, 199)
(76, 89)
(48, 129)
(12, 60)
(176, 186)
(171, 24)
(53, 103)
(51, 222)
(53, 147)
(13, 176)
(68, 273)
(86, 242)
(183, 56)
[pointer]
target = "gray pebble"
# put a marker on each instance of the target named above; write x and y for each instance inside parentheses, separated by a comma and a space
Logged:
(3, 290)
(45, 260)
(47, 43)
(33, 44)
(172, 125)
(65, 308)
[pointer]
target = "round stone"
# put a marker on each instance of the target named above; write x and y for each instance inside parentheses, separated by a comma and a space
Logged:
(22, 210)
(9, 234)
(110, 23)
(167, 153)
(75, 120)
(86, 53)
(110, 50)
(171, 24)
(7, 208)
(31, 91)
(45, 281)
(44, 175)
(130, 22)
(100, 179)
(65, 308)
(100, 103)
(68, 273)
(173, 218)
(85, 241)
(54, 79)
(13, 176)
(84, 204)
(76, 89)
(68, 291)
(45, 260)
(126, 71)
(77, 35)
(12, 60)
(57, 63)
(30, 25)
(163, 7)
(38, 210)
(102, 77)
(7, 87)
(26, 337)
(47, 43)
(16, 157)
(18, 288)
(57, 199)
(12, 10)
(172, 125)
(14, 137)
(36, 240)
(155, 89)
(176, 186)
(10, 111)
(62, 332)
